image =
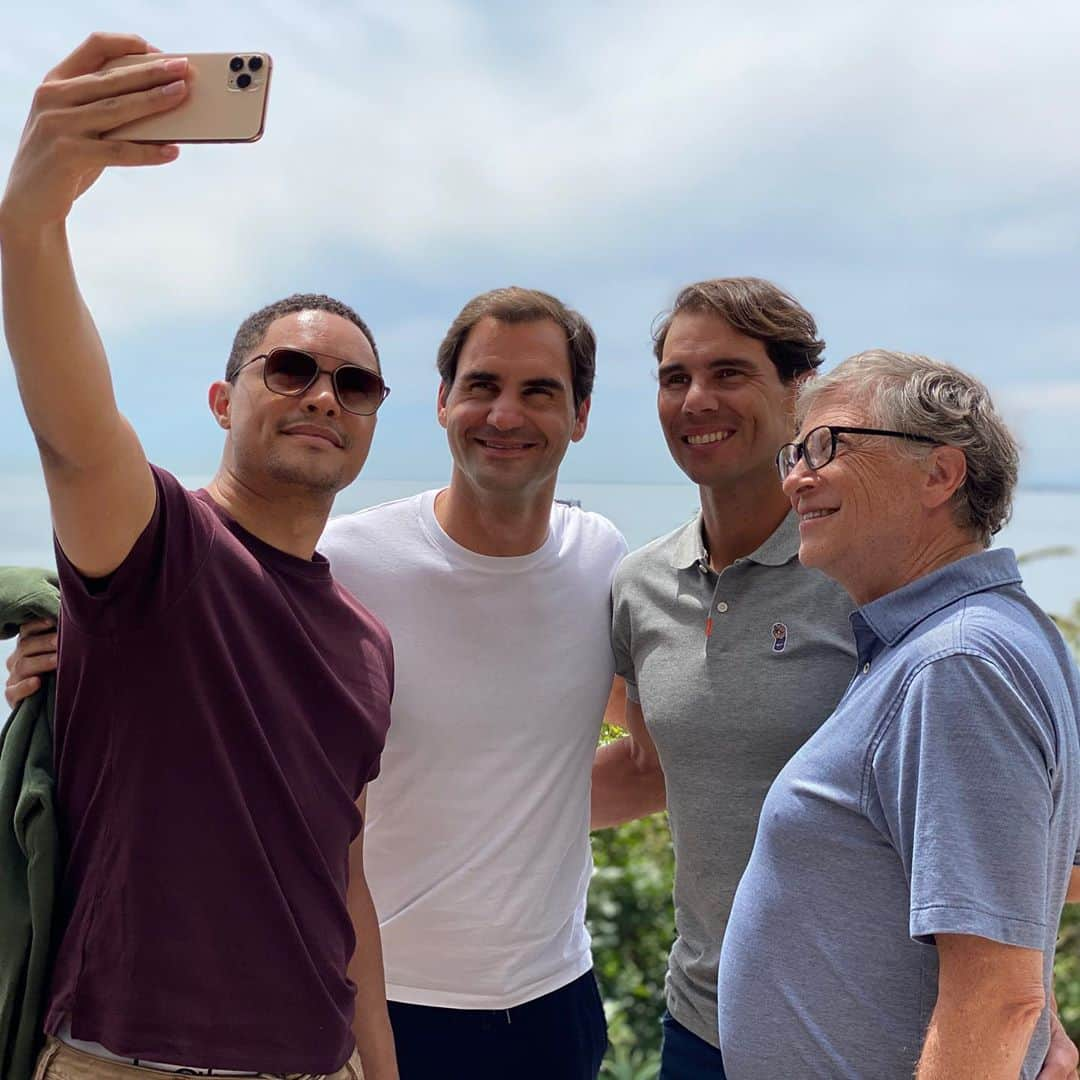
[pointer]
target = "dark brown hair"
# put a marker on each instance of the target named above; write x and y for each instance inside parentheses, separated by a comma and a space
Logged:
(758, 309)
(253, 328)
(517, 305)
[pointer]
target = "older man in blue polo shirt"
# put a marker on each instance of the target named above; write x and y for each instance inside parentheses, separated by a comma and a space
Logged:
(900, 907)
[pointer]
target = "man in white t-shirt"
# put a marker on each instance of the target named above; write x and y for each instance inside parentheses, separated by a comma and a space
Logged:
(497, 599)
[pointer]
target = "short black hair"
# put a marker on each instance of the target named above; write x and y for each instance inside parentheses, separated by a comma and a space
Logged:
(253, 328)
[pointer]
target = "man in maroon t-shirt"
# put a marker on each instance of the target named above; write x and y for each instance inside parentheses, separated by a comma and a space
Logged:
(221, 702)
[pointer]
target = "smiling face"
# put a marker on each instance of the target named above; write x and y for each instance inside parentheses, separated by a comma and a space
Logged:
(308, 441)
(864, 517)
(723, 407)
(509, 413)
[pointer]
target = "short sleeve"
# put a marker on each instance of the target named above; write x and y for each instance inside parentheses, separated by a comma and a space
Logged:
(621, 642)
(962, 775)
(159, 567)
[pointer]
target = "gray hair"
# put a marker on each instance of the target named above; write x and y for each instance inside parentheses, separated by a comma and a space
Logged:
(915, 394)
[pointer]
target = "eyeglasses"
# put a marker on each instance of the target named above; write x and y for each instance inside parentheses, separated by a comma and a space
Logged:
(819, 446)
(292, 372)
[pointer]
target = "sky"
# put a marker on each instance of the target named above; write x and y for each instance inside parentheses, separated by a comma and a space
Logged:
(909, 171)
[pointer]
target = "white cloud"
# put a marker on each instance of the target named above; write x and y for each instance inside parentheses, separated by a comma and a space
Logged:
(401, 135)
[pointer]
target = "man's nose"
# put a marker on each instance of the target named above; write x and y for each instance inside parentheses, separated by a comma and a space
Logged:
(505, 413)
(800, 479)
(700, 397)
(321, 396)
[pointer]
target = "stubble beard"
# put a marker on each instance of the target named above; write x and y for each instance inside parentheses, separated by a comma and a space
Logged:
(316, 478)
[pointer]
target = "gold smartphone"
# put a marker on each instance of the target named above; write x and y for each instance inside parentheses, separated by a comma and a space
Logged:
(226, 101)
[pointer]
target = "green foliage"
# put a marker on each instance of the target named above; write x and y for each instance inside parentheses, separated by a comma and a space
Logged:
(632, 923)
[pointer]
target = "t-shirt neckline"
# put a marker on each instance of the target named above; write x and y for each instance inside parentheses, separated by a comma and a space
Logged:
(506, 564)
(317, 568)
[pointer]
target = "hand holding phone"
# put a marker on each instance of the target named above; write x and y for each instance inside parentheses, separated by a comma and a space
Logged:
(61, 152)
(226, 101)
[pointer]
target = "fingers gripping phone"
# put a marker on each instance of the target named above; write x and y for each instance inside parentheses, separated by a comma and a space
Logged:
(226, 100)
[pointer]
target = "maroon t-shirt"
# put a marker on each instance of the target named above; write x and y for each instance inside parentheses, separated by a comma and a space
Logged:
(220, 705)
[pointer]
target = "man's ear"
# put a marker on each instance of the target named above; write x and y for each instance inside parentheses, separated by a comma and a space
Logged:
(581, 421)
(946, 471)
(220, 403)
(440, 403)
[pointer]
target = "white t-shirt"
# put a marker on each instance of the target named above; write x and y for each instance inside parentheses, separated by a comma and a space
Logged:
(476, 845)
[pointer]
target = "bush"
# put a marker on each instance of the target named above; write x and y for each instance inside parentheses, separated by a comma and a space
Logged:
(632, 923)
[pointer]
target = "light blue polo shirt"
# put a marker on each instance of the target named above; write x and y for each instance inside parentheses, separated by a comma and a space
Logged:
(942, 796)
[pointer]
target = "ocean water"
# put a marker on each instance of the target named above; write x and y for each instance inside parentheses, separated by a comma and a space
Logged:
(1045, 523)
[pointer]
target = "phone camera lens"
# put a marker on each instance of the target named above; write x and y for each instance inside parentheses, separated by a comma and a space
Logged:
(255, 63)
(236, 63)
(243, 81)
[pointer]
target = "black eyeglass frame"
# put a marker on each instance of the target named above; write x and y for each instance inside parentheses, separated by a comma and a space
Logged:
(834, 431)
(384, 392)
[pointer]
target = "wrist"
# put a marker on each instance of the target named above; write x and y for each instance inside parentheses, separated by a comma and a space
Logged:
(20, 236)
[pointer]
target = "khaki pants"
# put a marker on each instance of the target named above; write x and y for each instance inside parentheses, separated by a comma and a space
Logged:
(58, 1061)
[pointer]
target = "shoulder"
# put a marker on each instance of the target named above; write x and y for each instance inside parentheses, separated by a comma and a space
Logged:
(655, 557)
(172, 493)
(588, 533)
(372, 523)
(1002, 626)
(371, 625)
(998, 654)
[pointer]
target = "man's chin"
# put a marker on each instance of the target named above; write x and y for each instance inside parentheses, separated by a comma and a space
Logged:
(815, 556)
(312, 478)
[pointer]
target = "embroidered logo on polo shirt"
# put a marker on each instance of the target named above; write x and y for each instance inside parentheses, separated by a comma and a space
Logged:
(779, 637)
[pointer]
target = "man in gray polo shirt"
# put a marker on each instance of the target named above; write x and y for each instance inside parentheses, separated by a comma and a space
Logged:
(900, 908)
(732, 652)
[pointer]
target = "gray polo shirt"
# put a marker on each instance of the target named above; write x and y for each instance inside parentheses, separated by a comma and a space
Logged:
(942, 797)
(733, 671)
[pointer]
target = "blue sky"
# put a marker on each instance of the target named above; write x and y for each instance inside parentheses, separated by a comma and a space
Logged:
(910, 171)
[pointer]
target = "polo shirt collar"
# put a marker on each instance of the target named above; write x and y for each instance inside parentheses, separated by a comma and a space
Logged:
(689, 548)
(782, 546)
(891, 616)
(778, 549)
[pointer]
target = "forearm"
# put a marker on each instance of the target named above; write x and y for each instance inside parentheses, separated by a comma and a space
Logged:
(60, 364)
(975, 1040)
(625, 785)
(371, 1023)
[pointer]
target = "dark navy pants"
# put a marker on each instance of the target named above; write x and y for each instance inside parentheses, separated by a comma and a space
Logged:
(561, 1035)
(685, 1056)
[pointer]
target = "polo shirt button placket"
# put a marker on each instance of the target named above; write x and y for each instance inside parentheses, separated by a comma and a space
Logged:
(716, 607)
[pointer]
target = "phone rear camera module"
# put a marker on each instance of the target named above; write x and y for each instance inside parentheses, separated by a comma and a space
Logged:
(255, 63)
(236, 63)
(243, 81)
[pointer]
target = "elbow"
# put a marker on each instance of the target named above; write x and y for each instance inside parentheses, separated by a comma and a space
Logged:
(1021, 1010)
(650, 775)
(646, 764)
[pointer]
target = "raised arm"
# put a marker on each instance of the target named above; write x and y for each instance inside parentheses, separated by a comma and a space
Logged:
(100, 487)
(627, 780)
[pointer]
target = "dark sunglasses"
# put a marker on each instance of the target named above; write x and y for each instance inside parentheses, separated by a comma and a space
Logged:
(293, 372)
